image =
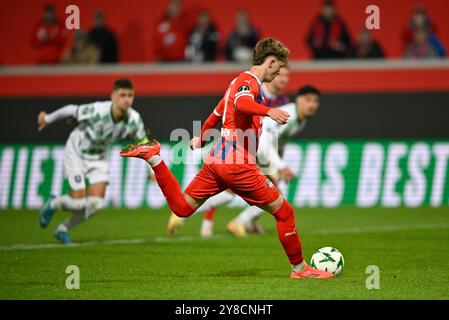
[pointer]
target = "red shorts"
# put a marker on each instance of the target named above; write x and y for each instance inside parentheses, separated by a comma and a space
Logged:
(245, 180)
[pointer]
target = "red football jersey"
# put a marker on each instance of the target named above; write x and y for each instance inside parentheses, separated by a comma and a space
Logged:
(242, 129)
(246, 84)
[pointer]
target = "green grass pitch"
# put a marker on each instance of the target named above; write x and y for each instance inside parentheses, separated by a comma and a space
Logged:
(126, 254)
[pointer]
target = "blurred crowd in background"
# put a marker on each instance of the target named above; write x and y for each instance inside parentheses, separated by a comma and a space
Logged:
(180, 37)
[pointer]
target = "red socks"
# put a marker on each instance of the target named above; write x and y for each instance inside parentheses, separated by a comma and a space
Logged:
(286, 227)
(209, 214)
(172, 191)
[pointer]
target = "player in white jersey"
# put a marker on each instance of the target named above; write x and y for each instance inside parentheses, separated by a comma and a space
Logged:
(86, 164)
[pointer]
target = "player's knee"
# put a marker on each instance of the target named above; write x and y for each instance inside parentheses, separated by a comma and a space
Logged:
(184, 209)
(94, 204)
(275, 205)
(77, 204)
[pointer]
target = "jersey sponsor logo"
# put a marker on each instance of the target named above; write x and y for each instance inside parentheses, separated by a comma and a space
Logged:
(243, 88)
(225, 132)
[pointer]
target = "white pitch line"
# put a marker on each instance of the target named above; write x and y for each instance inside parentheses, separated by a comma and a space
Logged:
(37, 246)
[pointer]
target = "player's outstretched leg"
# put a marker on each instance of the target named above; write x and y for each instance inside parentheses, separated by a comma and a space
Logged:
(217, 200)
(83, 209)
(246, 222)
(288, 235)
(256, 228)
(64, 202)
(170, 187)
(209, 208)
(207, 225)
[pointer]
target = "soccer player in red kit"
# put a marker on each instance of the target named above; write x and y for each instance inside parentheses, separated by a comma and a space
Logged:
(231, 163)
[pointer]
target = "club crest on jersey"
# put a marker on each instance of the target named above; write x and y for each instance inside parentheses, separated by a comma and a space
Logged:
(243, 88)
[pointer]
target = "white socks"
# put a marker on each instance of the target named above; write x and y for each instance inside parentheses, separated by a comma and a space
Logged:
(154, 160)
(93, 204)
(299, 267)
(248, 215)
(82, 209)
(67, 203)
(219, 199)
(207, 228)
(75, 219)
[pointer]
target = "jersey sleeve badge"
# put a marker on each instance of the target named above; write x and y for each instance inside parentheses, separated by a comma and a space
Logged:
(243, 88)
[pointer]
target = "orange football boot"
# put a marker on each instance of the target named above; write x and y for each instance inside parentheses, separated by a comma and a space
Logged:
(310, 272)
(143, 151)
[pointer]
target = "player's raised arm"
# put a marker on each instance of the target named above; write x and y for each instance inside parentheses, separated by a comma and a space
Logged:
(246, 104)
(45, 119)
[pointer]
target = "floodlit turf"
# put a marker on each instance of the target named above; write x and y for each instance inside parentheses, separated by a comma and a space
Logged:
(410, 246)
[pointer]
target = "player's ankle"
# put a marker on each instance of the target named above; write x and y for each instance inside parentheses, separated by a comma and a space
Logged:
(299, 267)
(207, 223)
(54, 203)
(243, 221)
(62, 228)
(154, 160)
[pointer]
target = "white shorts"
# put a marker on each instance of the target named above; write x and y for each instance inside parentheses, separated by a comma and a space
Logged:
(77, 169)
(267, 167)
(265, 150)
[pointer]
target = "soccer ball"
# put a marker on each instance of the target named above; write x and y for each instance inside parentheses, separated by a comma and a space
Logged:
(328, 259)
